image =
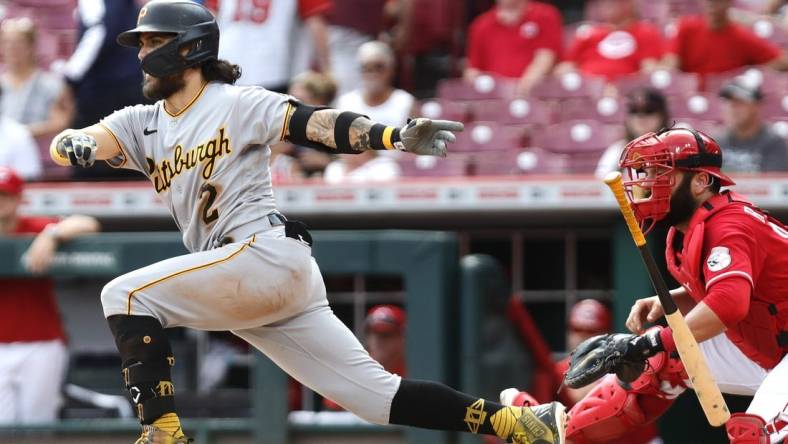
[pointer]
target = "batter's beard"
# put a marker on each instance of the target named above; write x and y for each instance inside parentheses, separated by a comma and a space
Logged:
(158, 88)
(682, 204)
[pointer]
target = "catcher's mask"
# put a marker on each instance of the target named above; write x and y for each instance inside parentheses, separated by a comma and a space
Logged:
(193, 27)
(650, 160)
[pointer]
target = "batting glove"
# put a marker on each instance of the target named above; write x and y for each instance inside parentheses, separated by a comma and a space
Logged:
(73, 148)
(429, 137)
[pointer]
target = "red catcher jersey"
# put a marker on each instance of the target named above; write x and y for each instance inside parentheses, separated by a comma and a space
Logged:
(28, 309)
(727, 238)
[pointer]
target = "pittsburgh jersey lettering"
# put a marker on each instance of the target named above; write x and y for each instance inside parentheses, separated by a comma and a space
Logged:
(205, 153)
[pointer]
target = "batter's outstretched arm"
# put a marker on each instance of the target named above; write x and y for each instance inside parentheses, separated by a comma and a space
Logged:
(351, 133)
(85, 146)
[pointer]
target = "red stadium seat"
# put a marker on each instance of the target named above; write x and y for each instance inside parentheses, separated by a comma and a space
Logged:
(444, 109)
(770, 30)
(574, 136)
(516, 162)
(569, 85)
(488, 136)
(513, 112)
(669, 82)
(696, 106)
(775, 106)
(605, 109)
(771, 81)
(484, 87)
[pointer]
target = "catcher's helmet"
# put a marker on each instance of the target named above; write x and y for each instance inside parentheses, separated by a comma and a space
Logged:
(650, 160)
(194, 27)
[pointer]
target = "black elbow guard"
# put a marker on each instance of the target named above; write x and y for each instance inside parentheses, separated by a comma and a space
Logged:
(297, 125)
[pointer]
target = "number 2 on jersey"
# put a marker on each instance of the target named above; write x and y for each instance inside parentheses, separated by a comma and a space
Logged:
(208, 215)
(255, 11)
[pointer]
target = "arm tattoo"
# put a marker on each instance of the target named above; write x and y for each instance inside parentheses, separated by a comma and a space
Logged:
(359, 134)
(320, 129)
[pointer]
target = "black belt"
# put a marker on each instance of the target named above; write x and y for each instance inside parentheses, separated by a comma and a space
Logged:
(276, 219)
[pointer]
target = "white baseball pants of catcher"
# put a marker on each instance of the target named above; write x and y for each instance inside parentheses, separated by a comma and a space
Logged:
(267, 290)
(736, 374)
(31, 379)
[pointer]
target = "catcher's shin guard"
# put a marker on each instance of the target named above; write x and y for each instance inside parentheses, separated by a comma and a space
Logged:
(613, 408)
(744, 428)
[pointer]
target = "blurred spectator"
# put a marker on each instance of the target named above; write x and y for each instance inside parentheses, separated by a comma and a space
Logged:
(33, 356)
(587, 318)
(377, 98)
(263, 37)
(363, 167)
(712, 43)
(620, 45)
(290, 162)
(18, 149)
(31, 96)
(353, 23)
(647, 111)
(384, 339)
(749, 143)
(103, 75)
(519, 39)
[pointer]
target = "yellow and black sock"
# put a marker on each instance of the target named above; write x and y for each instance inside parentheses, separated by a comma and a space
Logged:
(432, 405)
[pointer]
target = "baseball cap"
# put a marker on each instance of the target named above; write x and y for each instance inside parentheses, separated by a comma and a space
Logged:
(646, 100)
(385, 319)
(10, 182)
(742, 88)
(590, 315)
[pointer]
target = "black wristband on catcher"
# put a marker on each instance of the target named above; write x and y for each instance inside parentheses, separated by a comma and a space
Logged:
(342, 131)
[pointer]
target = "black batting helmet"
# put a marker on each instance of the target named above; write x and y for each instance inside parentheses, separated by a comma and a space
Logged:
(194, 27)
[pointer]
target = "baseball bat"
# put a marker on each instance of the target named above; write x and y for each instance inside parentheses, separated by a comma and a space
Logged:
(702, 381)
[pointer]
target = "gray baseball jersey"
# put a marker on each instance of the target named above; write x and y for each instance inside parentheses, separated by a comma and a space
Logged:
(209, 162)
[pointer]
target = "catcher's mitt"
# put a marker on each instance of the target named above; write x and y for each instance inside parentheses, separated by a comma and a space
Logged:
(622, 354)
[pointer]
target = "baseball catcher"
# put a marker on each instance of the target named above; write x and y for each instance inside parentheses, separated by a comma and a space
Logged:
(732, 260)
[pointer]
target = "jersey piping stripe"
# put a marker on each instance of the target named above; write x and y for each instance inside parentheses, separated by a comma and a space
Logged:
(178, 273)
(730, 273)
(120, 146)
(286, 123)
(188, 105)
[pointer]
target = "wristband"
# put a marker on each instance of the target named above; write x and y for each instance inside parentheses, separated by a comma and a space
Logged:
(53, 231)
(382, 137)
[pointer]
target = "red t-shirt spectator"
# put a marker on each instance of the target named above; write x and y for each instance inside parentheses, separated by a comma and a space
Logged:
(703, 50)
(606, 52)
(28, 309)
(507, 51)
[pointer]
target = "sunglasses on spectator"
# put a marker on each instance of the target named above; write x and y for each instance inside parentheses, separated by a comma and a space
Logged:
(373, 67)
(642, 111)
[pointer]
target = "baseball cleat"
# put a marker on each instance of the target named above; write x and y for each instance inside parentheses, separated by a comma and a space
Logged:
(541, 424)
(154, 435)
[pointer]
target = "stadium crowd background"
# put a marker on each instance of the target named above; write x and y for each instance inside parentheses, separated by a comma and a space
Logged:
(543, 87)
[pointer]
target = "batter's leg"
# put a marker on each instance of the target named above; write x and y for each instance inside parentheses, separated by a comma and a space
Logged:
(262, 279)
(317, 349)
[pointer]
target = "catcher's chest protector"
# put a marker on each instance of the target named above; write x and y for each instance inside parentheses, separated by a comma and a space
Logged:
(762, 334)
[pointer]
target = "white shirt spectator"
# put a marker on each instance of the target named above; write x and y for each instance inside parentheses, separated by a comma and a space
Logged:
(393, 112)
(18, 149)
(378, 169)
(30, 102)
(609, 160)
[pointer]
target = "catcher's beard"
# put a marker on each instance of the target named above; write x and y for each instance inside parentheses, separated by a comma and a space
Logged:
(682, 204)
(158, 88)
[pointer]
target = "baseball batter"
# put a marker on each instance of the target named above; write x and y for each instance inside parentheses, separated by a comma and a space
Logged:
(731, 259)
(205, 147)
